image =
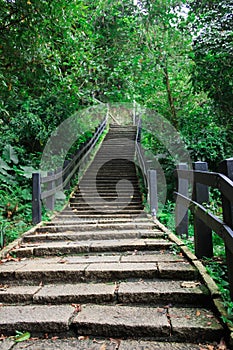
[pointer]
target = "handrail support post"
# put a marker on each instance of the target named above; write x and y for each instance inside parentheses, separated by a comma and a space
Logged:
(153, 192)
(181, 212)
(36, 198)
(202, 233)
(50, 201)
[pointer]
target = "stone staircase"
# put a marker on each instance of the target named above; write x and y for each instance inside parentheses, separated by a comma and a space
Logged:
(102, 274)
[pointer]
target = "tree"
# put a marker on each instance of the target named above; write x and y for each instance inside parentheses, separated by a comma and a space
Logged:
(213, 53)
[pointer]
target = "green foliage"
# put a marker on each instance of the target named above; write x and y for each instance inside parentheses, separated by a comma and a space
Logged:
(213, 53)
(205, 139)
(21, 336)
(166, 216)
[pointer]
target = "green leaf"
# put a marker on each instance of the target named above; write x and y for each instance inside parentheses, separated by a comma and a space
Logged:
(10, 154)
(27, 171)
(3, 165)
(22, 336)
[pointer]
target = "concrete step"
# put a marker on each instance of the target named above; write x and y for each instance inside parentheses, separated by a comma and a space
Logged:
(97, 225)
(84, 187)
(173, 323)
(68, 215)
(99, 213)
(112, 178)
(124, 293)
(76, 247)
(88, 191)
(108, 197)
(106, 206)
(76, 235)
(105, 266)
(95, 343)
(111, 186)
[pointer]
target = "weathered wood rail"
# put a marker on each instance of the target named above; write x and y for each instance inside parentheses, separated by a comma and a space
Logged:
(60, 178)
(149, 178)
(149, 175)
(204, 221)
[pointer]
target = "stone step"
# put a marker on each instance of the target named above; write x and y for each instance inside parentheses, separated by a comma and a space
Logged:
(112, 174)
(116, 158)
(112, 177)
(143, 219)
(91, 343)
(87, 197)
(107, 182)
(67, 215)
(108, 266)
(76, 247)
(96, 224)
(102, 203)
(36, 319)
(173, 323)
(76, 235)
(113, 321)
(114, 136)
(92, 213)
(102, 161)
(108, 197)
(103, 192)
(85, 187)
(120, 149)
(125, 293)
(106, 206)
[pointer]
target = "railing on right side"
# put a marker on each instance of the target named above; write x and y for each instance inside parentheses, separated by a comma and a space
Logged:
(204, 221)
(149, 175)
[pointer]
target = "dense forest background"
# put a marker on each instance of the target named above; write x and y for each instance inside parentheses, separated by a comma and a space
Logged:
(56, 57)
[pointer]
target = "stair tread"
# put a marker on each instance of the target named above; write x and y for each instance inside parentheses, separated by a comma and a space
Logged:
(126, 292)
(95, 344)
(147, 321)
(93, 235)
(113, 320)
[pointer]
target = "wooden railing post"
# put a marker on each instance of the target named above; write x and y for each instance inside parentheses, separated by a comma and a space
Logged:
(153, 193)
(60, 179)
(139, 131)
(67, 186)
(50, 201)
(181, 212)
(36, 198)
(202, 233)
(226, 168)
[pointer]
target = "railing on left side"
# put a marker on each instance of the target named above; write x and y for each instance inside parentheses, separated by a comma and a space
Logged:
(60, 178)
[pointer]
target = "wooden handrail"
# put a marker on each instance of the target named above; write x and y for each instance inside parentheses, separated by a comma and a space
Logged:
(204, 221)
(212, 221)
(61, 178)
(211, 179)
(149, 175)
